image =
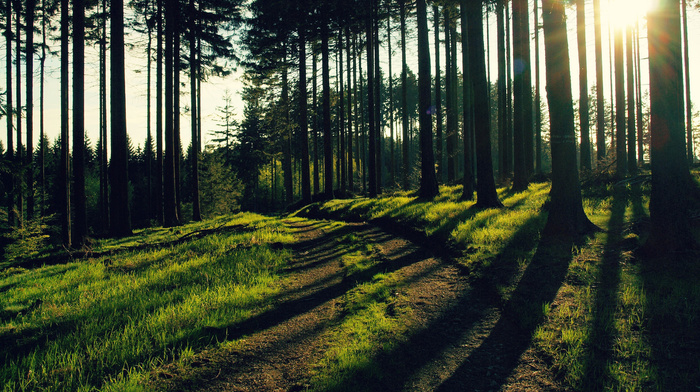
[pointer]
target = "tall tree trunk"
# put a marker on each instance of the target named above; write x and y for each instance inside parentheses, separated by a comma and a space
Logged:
(80, 206)
(467, 109)
(120, 217)
(538, 110)
(158, 197)
(566, 216)
(341, 116)
(287, 133)
(104, 177)
(148, 152)
(171, 217)
(64, 172)
(19, 149)
(372, 159)
(404, 99)
(509, 93)
(428, 181)
(176, 117)
(688, 102)
(29, 29)
(520, 39)
(631, 125)
(670, 178)
(527, 94)
(438, 97)
(486, 196)
(314, 75)
(11, 217)
(378, 143)
(304, 120)
(600, 96)
(351, 99)
(583, 84)
(392, 152)
(640, 119)
(449, 98)
(42, 134)
(621, 167)
(194, 93)
(327, 140)
(503, 156)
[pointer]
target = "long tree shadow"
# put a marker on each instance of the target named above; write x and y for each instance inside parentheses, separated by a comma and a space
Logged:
(490, 364)
(602, 330)
(428, 345)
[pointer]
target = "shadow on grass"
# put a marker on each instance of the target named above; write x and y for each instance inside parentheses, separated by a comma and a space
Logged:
(465, 317)
(602, 332)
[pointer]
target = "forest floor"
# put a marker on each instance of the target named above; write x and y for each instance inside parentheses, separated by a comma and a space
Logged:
(458, 338)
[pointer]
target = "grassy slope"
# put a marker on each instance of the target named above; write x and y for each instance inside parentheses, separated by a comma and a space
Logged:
(104, 322)
(613, 322)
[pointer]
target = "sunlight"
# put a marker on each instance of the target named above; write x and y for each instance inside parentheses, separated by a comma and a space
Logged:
(623, 13)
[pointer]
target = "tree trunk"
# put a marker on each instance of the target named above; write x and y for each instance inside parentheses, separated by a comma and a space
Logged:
(449, 98)
(304, 121)
(486, 196)
(327, 141)
(527, 94)
(159, 115)
(148, 152)
(621, 152)
(404, 100)
(538, 109)
(631, 126)
(19, 149)
(640, 119)
(372, 159)
(438, 97)
(29, 29)
(64, 172)
(171, 217)
(11, 217)
(42, 134)
(428, 180)
(286, 132)
(688, 102)
(378, 143)
(314, 75)
(104, 180)
(120, 218)
(392, 152)
(176, 117)
(80, 206)
(520, 39)
(351, 95)
(467, 109)
(566, 217)
(341, 116)
(600, 96)
(503, 156)
(669, 206)
(194, 93)
(583, 85)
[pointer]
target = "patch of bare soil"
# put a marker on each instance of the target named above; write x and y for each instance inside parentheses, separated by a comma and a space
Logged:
(458, 340)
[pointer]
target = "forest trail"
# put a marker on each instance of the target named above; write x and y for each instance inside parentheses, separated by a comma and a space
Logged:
(456, 340)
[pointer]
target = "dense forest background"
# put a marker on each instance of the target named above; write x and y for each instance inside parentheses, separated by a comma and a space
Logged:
(325, 118)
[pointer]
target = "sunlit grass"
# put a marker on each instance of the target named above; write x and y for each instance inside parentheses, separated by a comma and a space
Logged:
(104, 322)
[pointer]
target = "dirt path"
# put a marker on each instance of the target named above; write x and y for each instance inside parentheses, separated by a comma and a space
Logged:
(457, 339)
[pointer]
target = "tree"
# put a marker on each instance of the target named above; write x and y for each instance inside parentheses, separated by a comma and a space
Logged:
(486, 196)
(566, 216)
(120, 218)
(669, 205)
(583, 84)
(404, 99)
(80, 207)
(372, 164)
(196, 208)
(600, 97)
(631, 126)
(304, 120)
(688, 102)
(428, 182)
(326, 98)
(520, 89)
(620, 144)
(503, 151)
(64, 176)
(467, 109)
(9, 111)
(438, 95)
(29, 31)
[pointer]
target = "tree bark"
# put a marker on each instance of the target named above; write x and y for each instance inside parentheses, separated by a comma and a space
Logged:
(566, 217)
(621, 152)
(327, 141)
(29, 29)
(631, 126)
(688, 102)
(351, 95)
(670, 177)
(449, 98)
(520, 39)
(19, 149)
(158, 199)
(64, 172)
(600, 96)
(538, 109)
(171, 217)
(120, 218)
(583, 85)
(503, 156)
(428, 180)
(11, 217)
(486, 196)
(286, 132)
(194, 93)
(372, 159)
(467, 109)
(438, 98)
(404, 100)
(104, 177)
(80, 202)
(304, 120)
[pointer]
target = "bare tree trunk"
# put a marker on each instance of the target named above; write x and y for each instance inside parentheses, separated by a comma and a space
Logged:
(449, 98)
(104, 178)
(467, 109)
(327, 141)
(171, 217)
(600, 97)
(42, 134)
(314, 76)
(428, 182)
(538, 110)
(372, 164)
(438, 97)
(120, 218)
(404, 100)
(392, 153)
(520, 39)
(621, 167)
(379, 144)
(583, 85)
(566, 217)
(341, 116)
(640, 119)
(80, 206)
(631, 126)
(688, 102)
(11, 217)
(304, 120)
(351, 96)
(64, 172)
(159, 114)
(19, 149)
(503, 156)
(29, 29)
(194, 94)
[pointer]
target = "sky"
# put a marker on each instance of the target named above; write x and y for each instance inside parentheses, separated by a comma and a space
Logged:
(617, 11)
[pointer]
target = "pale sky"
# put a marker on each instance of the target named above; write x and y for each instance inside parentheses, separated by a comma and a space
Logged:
(213, 90)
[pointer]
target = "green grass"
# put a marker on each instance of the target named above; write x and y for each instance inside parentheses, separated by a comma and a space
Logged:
(617, 323)
(105, 322)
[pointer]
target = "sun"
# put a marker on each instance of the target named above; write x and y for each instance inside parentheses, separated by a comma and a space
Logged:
(625, 13)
